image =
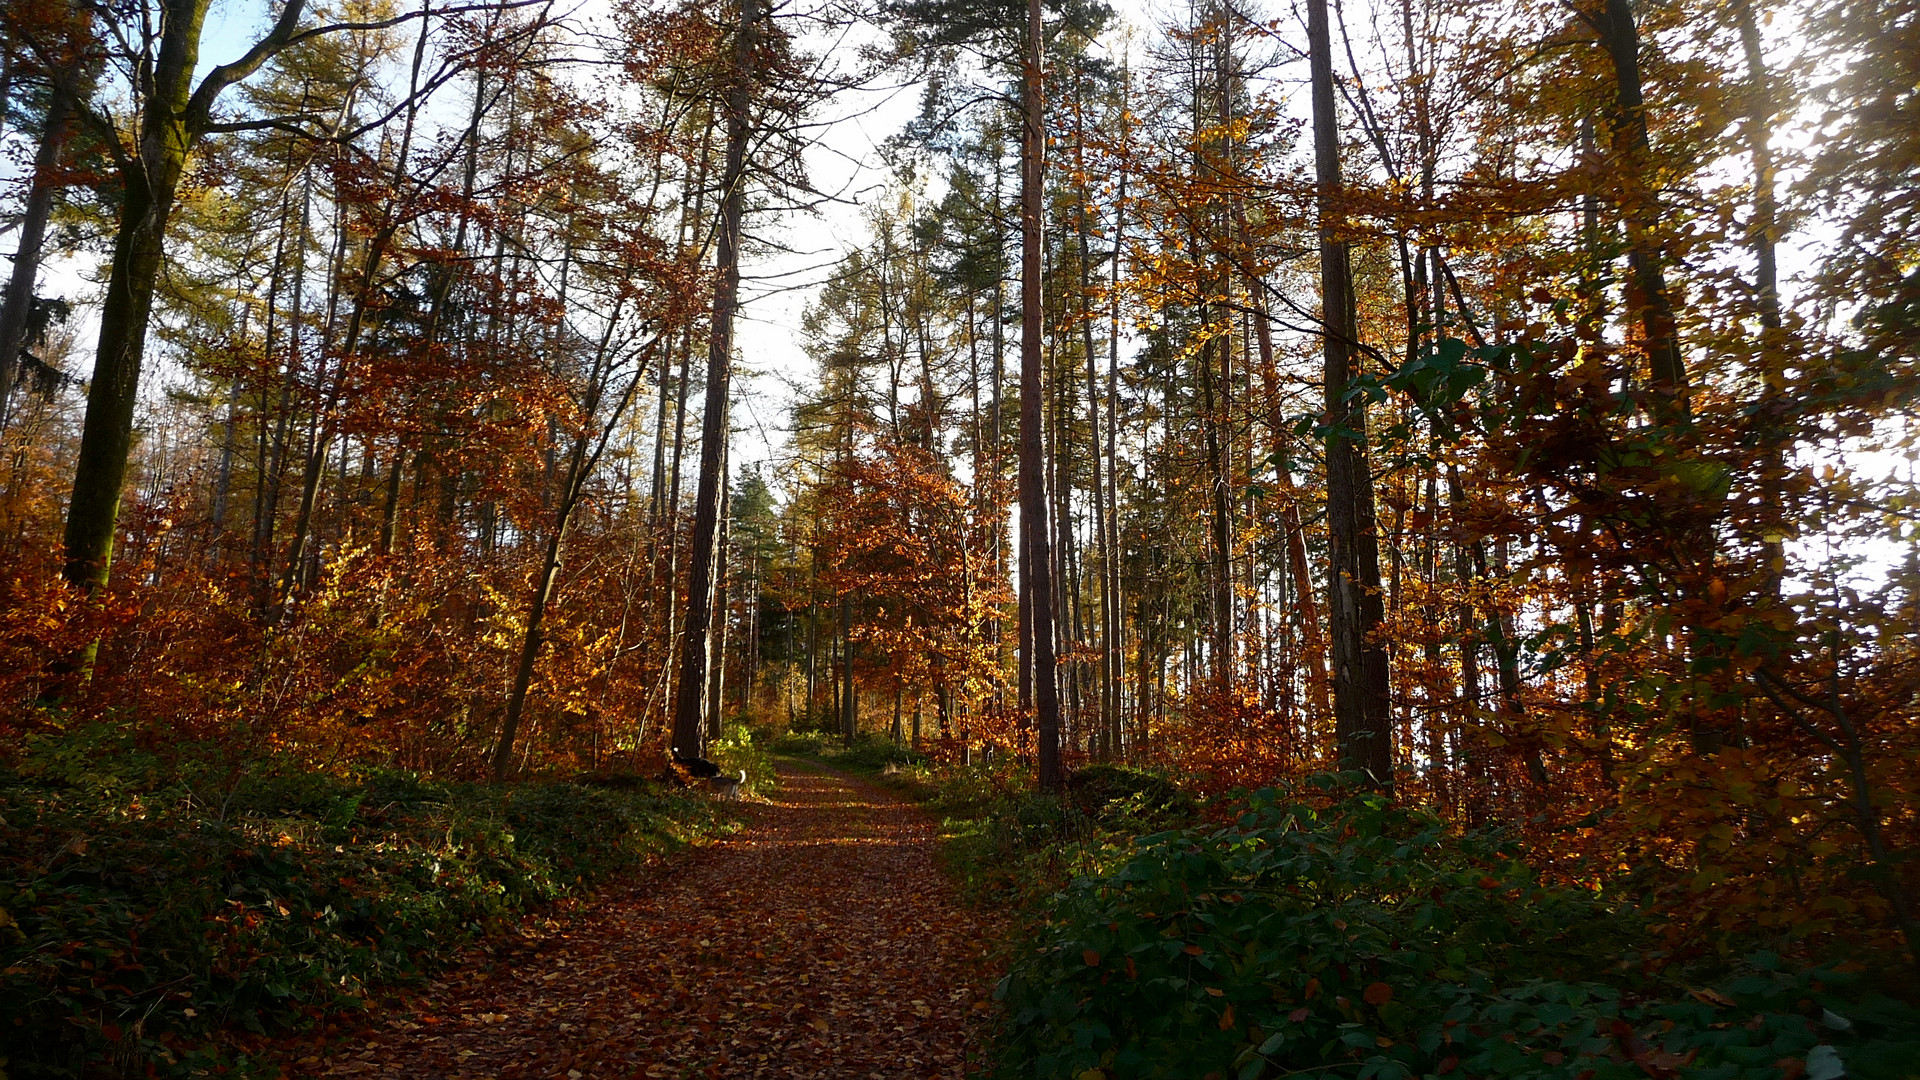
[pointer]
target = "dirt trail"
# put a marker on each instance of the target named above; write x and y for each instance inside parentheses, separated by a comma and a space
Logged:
(820, 941)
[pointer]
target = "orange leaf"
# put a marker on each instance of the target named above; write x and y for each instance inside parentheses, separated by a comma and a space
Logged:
(1193, 950)
(1092, 958)
(1226, 1019)
(1378, 994)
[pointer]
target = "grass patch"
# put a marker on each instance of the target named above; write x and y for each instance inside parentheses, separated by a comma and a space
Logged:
(146, 907)
(870, 755)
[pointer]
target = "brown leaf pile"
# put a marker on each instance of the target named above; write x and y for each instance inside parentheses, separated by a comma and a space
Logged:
(821, 941)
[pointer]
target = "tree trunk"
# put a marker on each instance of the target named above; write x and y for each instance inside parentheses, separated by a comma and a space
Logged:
(688, 712)
(106, 436)
(1035, 569)
(722, 613)
(579, 465)
(1313, 644)
(1763, 234)
(18, 305)
(1640, 209)
(1362, 721)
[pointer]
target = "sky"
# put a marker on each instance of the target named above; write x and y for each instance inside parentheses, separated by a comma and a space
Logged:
(783, 277)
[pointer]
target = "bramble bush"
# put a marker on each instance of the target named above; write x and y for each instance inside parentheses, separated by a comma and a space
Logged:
(1360, 940)
(145, 906)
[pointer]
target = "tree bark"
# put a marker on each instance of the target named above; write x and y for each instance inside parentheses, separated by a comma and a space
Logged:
(1362, 720)
(1640, 209)
(18, 305)
(1035, 569)
(175, 116)
(688, 704)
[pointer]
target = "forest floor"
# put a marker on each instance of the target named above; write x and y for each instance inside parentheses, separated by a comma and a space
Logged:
(819, 941)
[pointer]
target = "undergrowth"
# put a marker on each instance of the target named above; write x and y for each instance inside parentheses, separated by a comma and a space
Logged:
(1351, 938)
(148, 906)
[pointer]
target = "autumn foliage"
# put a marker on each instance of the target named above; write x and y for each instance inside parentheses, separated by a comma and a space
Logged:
(410, 484)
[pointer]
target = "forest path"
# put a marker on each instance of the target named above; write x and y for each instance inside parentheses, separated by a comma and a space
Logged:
(820, 941)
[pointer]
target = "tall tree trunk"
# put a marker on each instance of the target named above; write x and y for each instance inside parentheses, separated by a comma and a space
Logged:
(106, 436)
(1362, 720)
(1640, 209)
(722, 614)
(18, 305)
(849, 703)
(688, 712)
(1113, 655)
(1102, 542)
(1035, 568)
(174, 116)
(1763, 235)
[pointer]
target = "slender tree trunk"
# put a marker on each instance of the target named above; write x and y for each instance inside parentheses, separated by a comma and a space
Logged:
(1640, 209)
(688, 710)
(722, 614)
(1312, 643)
(849, 703)
(1102, 541)
(1113, 654)
(579, 466)
(1035, 566)
(1362, 716)
(18, 305)
(1763, 234)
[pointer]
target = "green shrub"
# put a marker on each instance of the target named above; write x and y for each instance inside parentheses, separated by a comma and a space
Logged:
(1123, 794)
(744, 751)
(1365, 943)
(139, 918)
(798, 744)
(1009, 845)
(871, 754)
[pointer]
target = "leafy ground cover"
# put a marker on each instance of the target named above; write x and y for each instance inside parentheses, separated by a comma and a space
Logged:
(150, 907)
(1330, 935)
(1360, 940)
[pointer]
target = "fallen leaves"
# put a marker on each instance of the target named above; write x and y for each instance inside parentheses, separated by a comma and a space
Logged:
(820, 942)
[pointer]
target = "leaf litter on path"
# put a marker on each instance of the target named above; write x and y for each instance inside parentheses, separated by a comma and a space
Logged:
(820, 941)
